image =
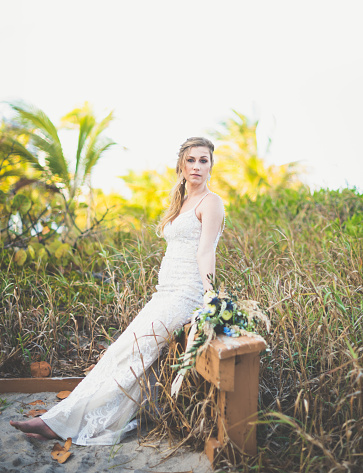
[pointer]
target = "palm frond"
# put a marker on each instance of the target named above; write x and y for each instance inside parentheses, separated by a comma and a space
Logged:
(94, 154)
(103, 124)
(12, 172)
(72, 119)
(53, 155)
(12, 147)
(86, 126)
(89, 147)
(34, 118)
(43, 135)
(96, 146)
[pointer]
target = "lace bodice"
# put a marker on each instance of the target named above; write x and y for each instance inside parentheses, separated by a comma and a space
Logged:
(179, 264)
(97, 411)
(183, 235)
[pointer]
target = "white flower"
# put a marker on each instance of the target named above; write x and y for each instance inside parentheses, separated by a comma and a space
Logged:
(208, 296)
(211, 309)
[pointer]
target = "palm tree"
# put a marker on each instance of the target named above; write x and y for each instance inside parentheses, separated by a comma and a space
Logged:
(34, 138)
(14, 158)
(91, 145)
(239, 169)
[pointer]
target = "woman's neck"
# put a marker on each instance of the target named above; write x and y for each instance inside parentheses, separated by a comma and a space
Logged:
(196, 191)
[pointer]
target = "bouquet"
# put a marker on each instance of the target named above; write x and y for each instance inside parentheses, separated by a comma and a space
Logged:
(223, 313)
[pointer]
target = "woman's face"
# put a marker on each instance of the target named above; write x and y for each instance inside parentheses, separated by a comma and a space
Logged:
(197, 165)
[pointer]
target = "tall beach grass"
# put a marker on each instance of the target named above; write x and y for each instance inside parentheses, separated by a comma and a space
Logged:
(299, 254)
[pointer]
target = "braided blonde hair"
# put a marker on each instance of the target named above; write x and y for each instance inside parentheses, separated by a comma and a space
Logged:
(177, 193)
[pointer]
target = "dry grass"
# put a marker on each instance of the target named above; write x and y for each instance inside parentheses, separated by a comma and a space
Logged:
(299, 255)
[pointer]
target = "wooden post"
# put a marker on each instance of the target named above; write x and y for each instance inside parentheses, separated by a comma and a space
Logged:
(232, 365)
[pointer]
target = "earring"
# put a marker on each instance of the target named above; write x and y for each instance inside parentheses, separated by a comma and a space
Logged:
(208, 178)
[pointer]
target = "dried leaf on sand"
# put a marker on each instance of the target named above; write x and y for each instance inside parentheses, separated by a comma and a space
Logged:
(68, 443)
(63, 394)
(34, 403)
(35, 412)
(40, 369)
(61, 454)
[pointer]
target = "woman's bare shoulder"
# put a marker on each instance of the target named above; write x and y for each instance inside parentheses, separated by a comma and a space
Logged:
(214, 200)
(212, 204)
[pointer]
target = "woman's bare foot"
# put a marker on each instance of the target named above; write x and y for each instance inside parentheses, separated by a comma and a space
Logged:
(36, 428)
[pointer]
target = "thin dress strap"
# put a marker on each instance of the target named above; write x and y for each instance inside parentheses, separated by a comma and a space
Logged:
(224, 212)
(201, 200)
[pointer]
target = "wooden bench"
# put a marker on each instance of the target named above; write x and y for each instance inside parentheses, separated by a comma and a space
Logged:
(232, 365)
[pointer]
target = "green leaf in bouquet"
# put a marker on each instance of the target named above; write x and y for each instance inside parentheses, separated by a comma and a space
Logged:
(179, 332)
(214, 320)
(193, 349)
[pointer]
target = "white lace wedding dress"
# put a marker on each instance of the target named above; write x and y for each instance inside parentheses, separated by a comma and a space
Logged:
(97, 412)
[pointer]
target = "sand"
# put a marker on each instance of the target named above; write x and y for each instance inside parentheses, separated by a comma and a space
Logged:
(18, 453)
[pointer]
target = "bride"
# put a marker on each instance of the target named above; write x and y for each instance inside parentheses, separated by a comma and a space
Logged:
(98, 412)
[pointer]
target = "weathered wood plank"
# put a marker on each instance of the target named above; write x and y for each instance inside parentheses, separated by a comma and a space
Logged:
(238, 409)
(216, 371)
(211, 449)
(37, 385)
(225, 347)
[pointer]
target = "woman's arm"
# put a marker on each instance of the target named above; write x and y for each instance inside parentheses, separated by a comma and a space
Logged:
(211, 213)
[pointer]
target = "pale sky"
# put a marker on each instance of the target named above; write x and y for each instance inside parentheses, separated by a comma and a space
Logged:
(174, 69)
